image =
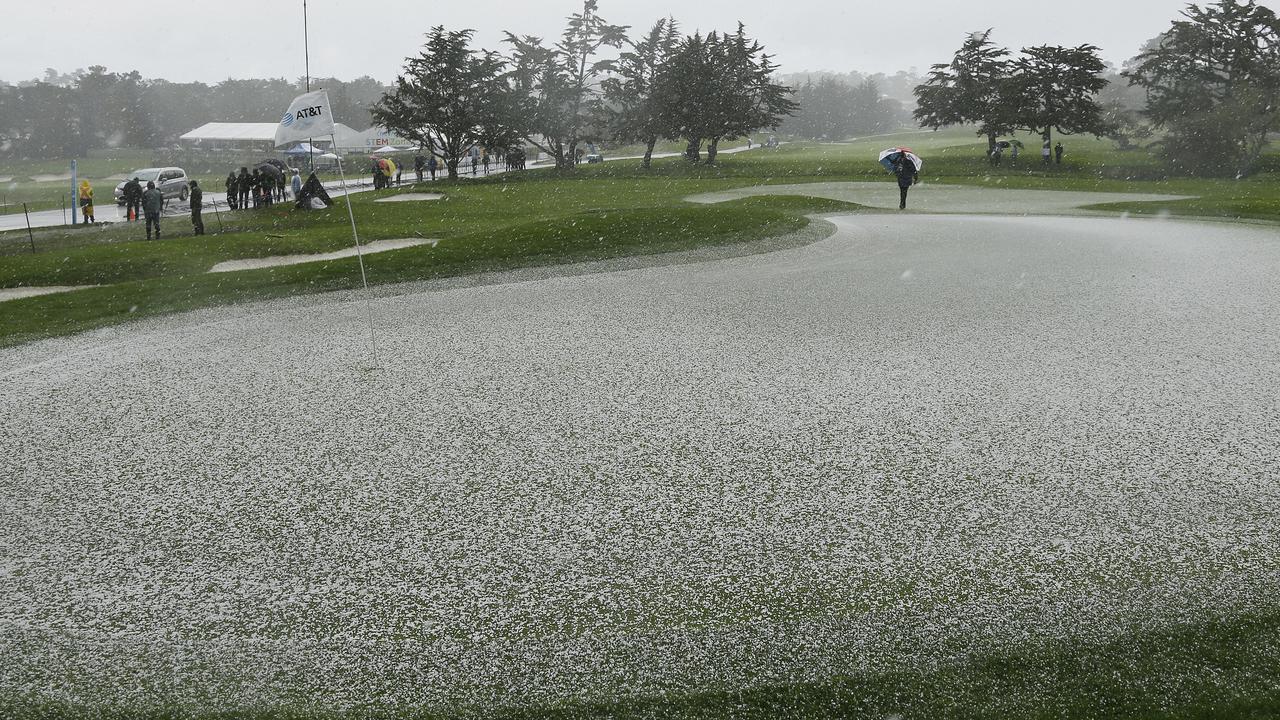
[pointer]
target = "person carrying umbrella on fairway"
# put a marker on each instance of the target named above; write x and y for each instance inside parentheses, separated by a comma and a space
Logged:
(904, 164)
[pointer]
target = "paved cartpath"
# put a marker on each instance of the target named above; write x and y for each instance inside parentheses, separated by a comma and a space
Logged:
(951, 199)
(922, 437)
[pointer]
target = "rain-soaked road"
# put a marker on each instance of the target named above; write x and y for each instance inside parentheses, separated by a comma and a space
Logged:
(920, 436)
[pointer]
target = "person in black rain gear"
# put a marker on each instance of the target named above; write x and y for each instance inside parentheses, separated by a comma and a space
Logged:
(233, 191)
(197, 204)
(245, 185)
(907, 176)
(133, 200)
(1058, 152)
(268, 181)
(152, 206)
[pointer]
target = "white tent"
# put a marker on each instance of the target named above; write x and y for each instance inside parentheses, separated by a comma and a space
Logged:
(227, 132)
(368, 141)
(302, 149)
(388, 150)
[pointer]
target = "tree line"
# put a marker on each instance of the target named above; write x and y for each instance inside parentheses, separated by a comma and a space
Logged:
(67, 115)
(700, 89)
(834, 109)
(1211, 85)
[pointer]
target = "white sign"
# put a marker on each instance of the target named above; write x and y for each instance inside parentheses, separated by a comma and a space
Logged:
(310, 116)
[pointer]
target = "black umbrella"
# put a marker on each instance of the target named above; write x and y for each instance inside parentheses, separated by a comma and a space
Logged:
(271, 168)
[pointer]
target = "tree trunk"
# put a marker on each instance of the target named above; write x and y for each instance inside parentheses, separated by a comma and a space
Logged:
(648, 152)
(693, 151)
(991, 143)
(452, 165)
(713, 149)
(1253, 152)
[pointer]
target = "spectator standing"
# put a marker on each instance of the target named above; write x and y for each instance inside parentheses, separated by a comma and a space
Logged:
(152, 206)
(86, 202)
(245, 186)
(132, 200)
(433, 165)
(197, 205)
(296, 183)
(1058, 152)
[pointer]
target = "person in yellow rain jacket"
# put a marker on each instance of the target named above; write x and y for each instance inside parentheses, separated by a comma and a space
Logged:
(86, 201)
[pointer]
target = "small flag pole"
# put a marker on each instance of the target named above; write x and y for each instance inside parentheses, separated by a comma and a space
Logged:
(364, 279)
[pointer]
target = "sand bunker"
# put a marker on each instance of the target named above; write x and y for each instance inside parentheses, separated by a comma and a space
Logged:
(26, 292)
(411, 197)
(51, 178)
(378, 246)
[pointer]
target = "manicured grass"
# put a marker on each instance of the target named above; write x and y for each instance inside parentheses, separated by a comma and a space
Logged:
(152, 278)
(1219, 669)
(541, 217)
(1216, 669)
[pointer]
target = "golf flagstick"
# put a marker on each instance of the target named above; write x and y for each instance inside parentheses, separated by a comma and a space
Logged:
(364, 279)
(310, 116)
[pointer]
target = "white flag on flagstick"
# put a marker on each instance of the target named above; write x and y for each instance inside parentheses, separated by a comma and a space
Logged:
(310, 116)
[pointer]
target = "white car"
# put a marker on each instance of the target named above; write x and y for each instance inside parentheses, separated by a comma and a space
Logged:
(171, 181)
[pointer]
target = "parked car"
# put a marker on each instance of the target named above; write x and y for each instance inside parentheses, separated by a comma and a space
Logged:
(594, 158)
(171, 181)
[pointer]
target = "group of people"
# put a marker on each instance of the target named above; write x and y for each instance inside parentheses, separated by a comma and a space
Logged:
(385, 173)
(1048, 154)
(262, 187)
(423, 165)
(148, 204)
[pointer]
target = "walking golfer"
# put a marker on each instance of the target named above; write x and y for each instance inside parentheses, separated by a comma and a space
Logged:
(907, 176)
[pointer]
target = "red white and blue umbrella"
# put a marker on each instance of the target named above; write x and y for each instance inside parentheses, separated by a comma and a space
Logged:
(890, 157)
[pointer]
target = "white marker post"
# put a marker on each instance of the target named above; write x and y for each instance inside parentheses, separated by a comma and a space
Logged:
(75, 193)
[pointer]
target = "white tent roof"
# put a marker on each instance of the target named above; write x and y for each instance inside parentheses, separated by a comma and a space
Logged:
(302, 148)
(233, 131)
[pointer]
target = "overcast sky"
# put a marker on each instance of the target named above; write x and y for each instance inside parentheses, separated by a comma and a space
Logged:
(186, 40)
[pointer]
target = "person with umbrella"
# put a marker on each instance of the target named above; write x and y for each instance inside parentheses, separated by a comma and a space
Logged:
(906, 166)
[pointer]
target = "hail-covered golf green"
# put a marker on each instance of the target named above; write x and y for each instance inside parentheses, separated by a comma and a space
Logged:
(733, 442)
